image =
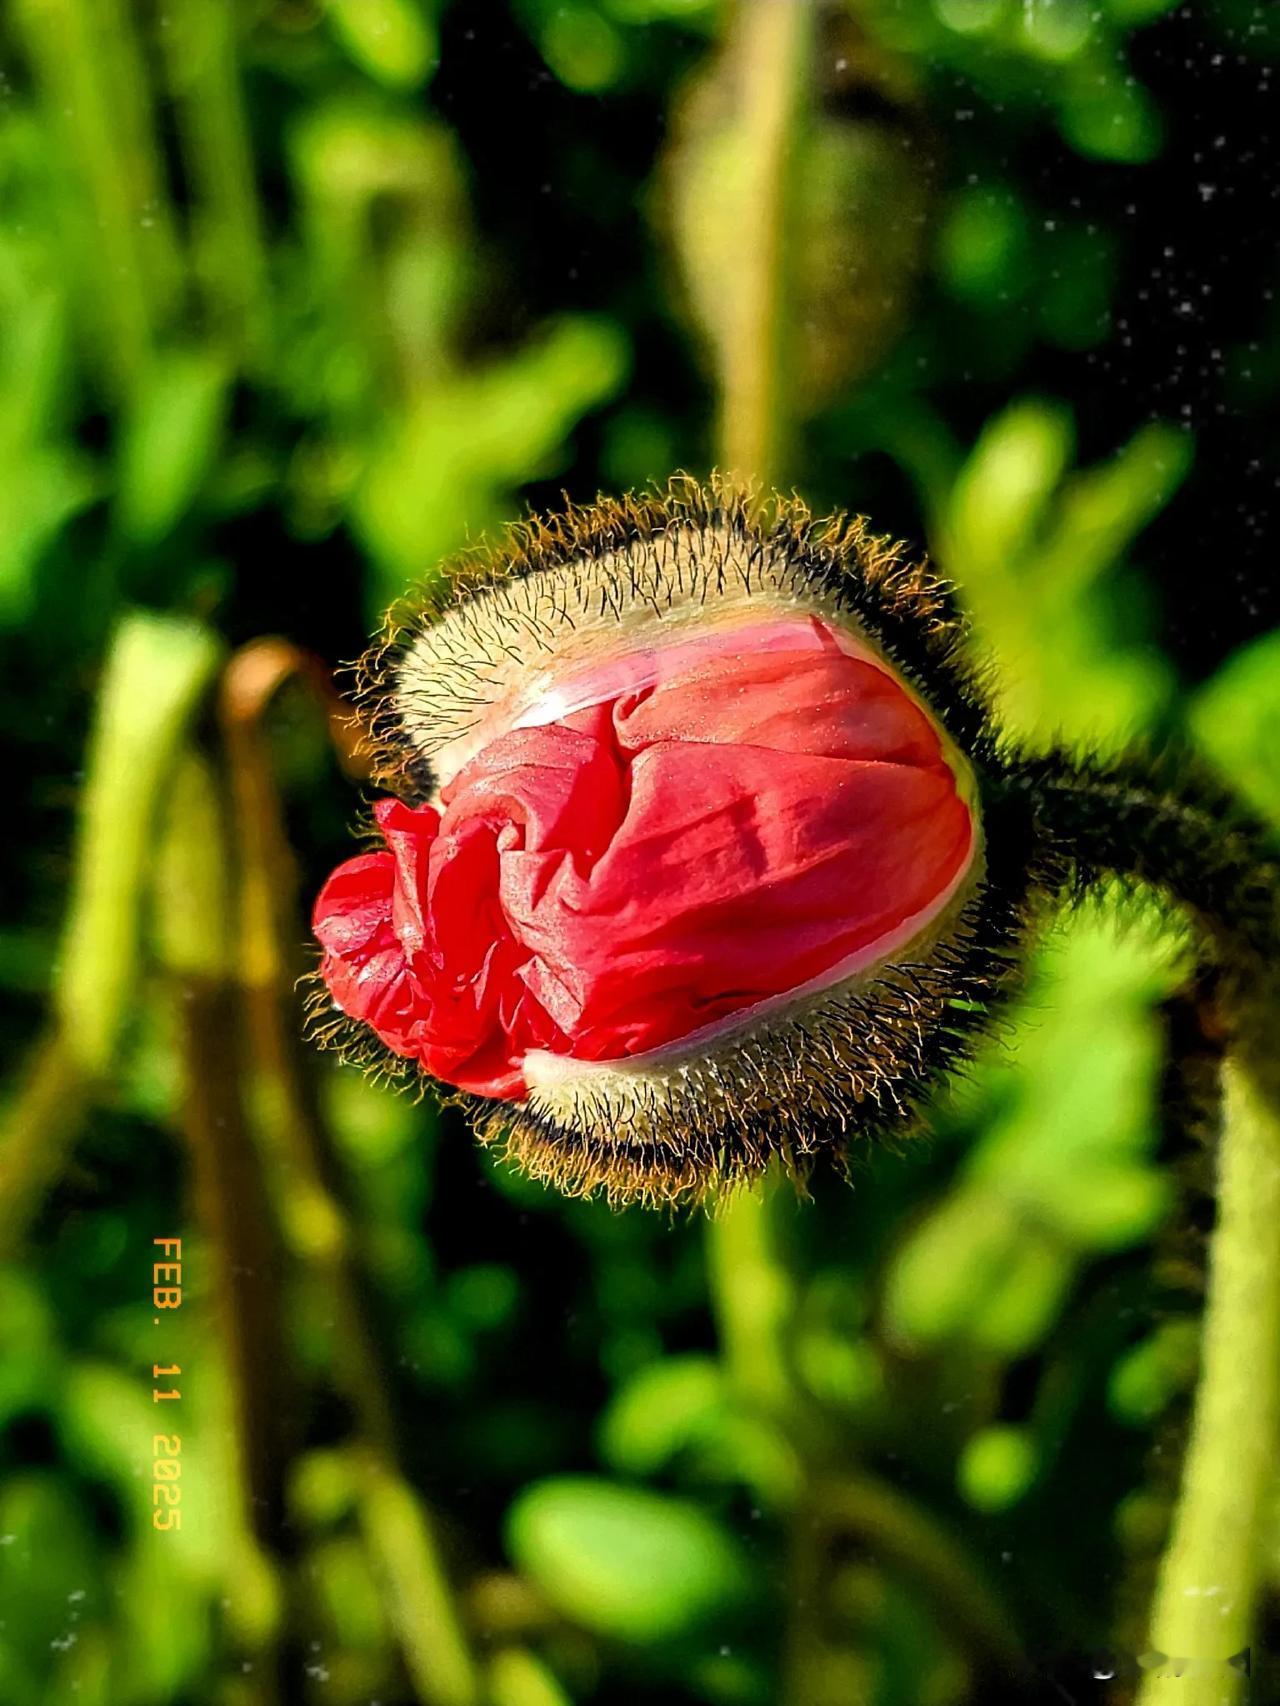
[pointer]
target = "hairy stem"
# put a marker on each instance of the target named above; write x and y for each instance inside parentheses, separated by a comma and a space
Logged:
(751, 1286)
(1210, 1573)
(1098, 821)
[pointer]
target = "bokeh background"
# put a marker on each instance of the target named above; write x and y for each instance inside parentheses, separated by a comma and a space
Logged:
(297, 296)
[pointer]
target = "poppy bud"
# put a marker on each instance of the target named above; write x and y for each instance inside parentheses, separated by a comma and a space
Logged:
(687, 864)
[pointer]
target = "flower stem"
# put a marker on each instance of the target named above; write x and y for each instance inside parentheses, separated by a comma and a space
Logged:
(204, 78)
(155, 678)
(769, 40)
(41, 1123)
(88, 60)
(399, 1527)
(194, 943)
(1095, 821)
(1210, 1573)
(153, 683)
(898, 1533)
(753, 1294)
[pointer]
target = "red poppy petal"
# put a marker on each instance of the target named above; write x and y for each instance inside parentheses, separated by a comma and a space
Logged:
(354, 904)
(670, 837)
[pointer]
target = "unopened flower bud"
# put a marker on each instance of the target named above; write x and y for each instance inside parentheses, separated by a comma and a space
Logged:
(685, 862)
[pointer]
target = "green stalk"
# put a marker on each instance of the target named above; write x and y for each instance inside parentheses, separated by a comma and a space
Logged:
(1213, 1566)
(1125, 819)
(156, 673)
(204, 74)
(767, 49)
(405, 1553)
(399, 1529)
(195, 943)
(753, 1295)
(40, 1125)
(770, 43)
(752, 1289)
(896, 1532)
(87, 59)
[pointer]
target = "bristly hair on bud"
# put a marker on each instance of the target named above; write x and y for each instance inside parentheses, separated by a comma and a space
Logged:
(658, 554)
(561, 638)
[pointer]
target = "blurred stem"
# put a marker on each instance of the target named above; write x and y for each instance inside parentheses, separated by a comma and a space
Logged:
(399, 1529)
(204, 74)
(40, 1126)
(86, 57)
(194, 940)
(1119, 820)
(752, 1294)
(902, 1538)
(893, 1533)
(752, 1290)
(155, 674)
(402, 1542)
(770, 41)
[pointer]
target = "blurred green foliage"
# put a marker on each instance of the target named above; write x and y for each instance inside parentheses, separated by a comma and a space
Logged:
(295, 298)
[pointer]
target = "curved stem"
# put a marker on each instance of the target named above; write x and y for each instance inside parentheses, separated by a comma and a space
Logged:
(1094, 821)
(897, 1532)
(1187, 837)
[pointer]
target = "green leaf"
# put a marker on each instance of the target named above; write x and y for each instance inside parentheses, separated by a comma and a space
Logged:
(30, 1362)
(1147, 1378)
(483, 1297)
(171, 437)
(1031, 548)
(1062, 1161)
(623, 1561)
(518, 1678)
(984, 247)
(1024, 1296)
(660, 1410)
(832, 1354)
(997, 1467)
(947, 1267)
(1235, 718)
(393, 40)
(1102, 509)
(1108, 115)
(449, 466)
(1005, 487)
(51, 1586)
(583, 48)
(1120, 1206)
(684, 1405)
